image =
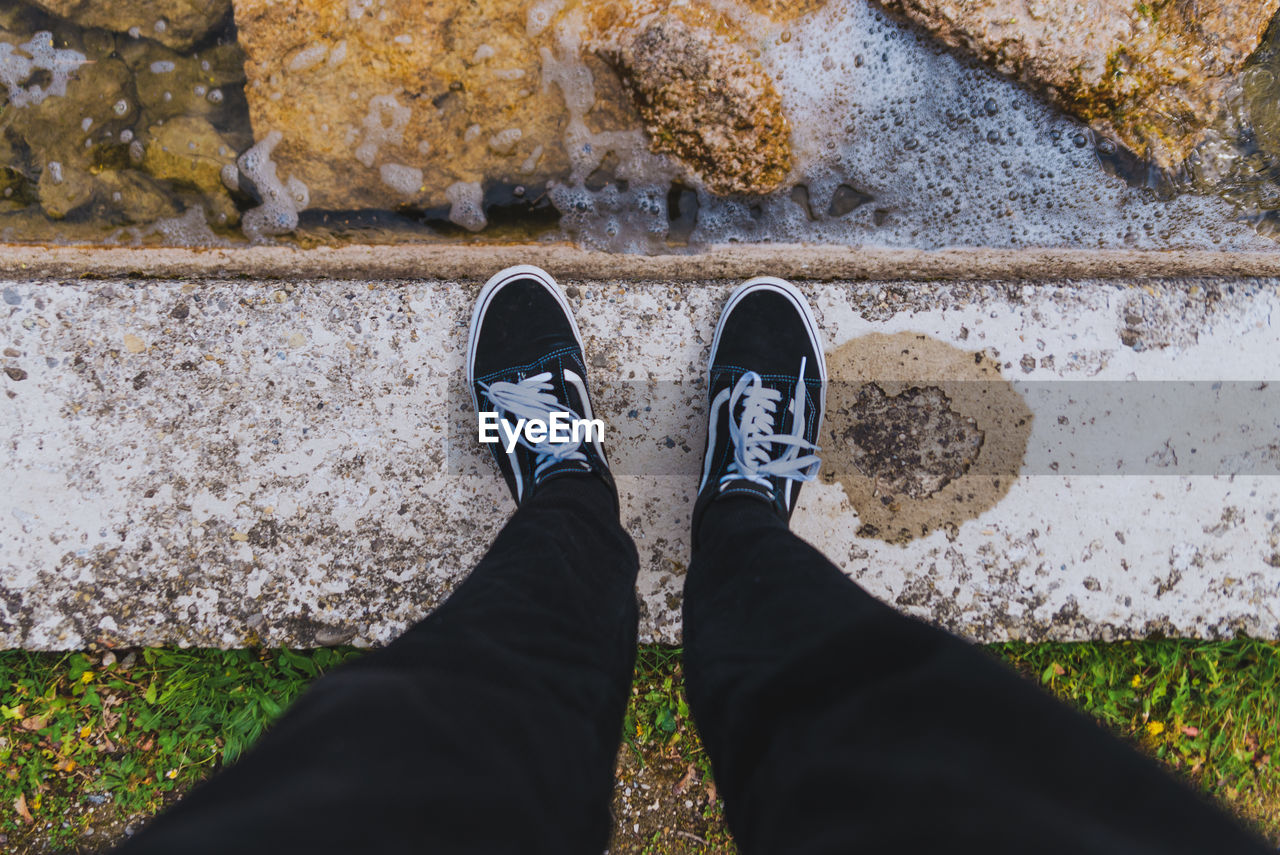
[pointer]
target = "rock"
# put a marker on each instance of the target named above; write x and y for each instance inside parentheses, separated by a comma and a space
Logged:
(133, 197)
(16, 190)
(16, 187)
(171, 84)
(178, 24)
(83, 133)
(1153, 76)
(85, 124)
(34, 70)
(71, 126)
(63, 188)
(190, 152)
(374, 113)
(350, 87)
(703, 98)
(785, 10)
(118, 196)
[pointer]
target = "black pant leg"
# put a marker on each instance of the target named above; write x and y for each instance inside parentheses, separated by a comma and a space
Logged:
(835, 724)
(492, 726)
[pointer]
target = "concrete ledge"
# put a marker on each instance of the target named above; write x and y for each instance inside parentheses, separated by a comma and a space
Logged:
(478, 261)
(218, 462)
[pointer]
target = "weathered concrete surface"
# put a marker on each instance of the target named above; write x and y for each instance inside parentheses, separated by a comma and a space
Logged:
(215, 462)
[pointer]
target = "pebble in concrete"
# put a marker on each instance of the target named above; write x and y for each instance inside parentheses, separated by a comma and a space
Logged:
(226, 462)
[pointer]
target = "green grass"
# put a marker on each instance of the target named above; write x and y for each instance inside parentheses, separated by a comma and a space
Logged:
(73, 729)
(658, 712)
(139, 728)
(1210, 710)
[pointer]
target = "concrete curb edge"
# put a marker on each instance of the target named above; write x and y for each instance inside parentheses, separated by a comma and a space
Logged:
(478, 261)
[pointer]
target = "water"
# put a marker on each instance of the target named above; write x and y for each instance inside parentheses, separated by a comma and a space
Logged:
(897, 143)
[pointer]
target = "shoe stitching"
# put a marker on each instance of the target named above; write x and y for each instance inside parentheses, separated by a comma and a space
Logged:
(529, 366)
(759, 493)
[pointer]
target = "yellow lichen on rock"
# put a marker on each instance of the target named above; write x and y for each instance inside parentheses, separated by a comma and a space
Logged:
(703, 97)
(451, 90)
(1152, 75)
(785, 10)
(382, 103)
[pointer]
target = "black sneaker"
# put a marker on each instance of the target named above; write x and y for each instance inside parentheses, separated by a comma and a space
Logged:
(524, 361)
(767, 386)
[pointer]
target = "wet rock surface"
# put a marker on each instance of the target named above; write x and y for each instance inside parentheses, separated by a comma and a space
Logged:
(502, 92)
(178, 24)
(936, 440)
(784, 10)
(632, 125)
(190, 152)
(703, 98)
(84, 150)
(1153, 76)
(457, 96)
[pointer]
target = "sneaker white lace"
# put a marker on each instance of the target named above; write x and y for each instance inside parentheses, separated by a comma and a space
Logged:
(532, 398)
(752, 435)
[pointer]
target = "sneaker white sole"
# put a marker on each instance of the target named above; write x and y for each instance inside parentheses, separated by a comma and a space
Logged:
(487, 293)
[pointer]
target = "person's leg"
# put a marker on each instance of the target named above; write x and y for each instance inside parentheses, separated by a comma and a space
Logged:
(493, 725)
(835, 724)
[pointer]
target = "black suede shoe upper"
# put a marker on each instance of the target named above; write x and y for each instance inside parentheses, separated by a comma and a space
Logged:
(766, 338)
(525, 359)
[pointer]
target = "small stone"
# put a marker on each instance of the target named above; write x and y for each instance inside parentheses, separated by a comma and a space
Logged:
(331, 635)
(137, 197)
(133, 344)
(190, 152)
(15, 373)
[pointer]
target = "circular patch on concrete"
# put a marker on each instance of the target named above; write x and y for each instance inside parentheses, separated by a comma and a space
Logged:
(913, 443)
(920, 434)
